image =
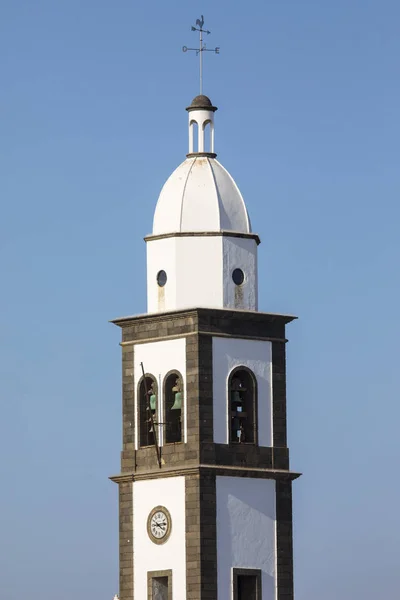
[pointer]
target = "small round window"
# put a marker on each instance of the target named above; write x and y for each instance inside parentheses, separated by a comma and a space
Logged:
(238, 276)
(161, 278)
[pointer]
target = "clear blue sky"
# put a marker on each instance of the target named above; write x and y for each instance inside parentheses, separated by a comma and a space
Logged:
(92, 122)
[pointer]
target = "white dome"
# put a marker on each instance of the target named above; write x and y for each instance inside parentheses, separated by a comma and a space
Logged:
(200, 195)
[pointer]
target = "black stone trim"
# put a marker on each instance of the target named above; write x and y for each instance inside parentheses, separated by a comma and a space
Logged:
(125, 540)
(128, 454)
(201, 536)
(208, 536)
(284, 540)
(192, 534)
(201, 154)
(279, 395)
(250, 456)
(234, 234)
(205, 395)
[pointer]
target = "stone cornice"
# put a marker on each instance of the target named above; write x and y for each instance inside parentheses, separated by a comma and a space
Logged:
(122, 478)
(219, 470)
(195, 312)
(235, 234)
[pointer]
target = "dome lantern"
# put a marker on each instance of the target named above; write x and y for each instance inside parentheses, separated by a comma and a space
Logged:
(201, 127)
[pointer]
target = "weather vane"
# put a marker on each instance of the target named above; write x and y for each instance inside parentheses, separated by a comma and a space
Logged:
(202, 47)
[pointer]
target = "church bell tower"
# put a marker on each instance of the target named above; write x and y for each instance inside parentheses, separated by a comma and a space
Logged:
(205, 488)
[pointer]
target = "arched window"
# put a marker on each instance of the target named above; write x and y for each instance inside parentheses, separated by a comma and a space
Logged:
(242, 398)
(173, 407)
(193, 137)
(207, 136)
(147, 409)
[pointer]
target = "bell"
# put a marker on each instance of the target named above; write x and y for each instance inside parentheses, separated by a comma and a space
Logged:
(235, 396)
(153, 402)
(177, 402)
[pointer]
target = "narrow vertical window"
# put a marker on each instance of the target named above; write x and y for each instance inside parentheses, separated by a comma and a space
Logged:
(194, 137)
(207, 136)
(246, 584)
(173, 407)
(242, 406)
(160, 588)
(147, 408)
(159, 585)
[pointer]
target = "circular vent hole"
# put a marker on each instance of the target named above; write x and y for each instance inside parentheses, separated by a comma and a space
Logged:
(238, 276)
(161, 278)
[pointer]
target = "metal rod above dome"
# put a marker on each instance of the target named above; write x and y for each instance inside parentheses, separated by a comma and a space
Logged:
(202, 47)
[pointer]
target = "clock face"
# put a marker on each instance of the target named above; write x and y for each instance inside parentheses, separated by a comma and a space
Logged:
(159, 525)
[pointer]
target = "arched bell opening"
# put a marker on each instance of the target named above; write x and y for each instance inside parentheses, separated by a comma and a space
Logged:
(208, 136)
(193, 136)
(173, 407)
(242, 406)
(147, 409)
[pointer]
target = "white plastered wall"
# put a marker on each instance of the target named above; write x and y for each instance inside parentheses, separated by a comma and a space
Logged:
(193, 266)
(229, 353)
(246, 531)
(168, 492)
(199, 272)
(240, 253)
(161, 255)
(159, 358)
(199, 268)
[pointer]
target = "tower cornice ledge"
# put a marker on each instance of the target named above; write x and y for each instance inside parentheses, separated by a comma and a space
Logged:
(220, 470)
(214, 322)
(220, 313)
(226, 233)
(201, 154)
